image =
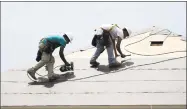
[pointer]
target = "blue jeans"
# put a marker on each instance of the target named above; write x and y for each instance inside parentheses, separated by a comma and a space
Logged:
(100, 48)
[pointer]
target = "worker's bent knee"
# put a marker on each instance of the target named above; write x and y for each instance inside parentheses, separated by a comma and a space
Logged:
(45, 61)
(45, 58)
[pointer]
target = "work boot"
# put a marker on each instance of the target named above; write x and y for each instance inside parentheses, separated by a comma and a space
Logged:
(54, 77)
(113, 65)
(32, 72)
(94, 63)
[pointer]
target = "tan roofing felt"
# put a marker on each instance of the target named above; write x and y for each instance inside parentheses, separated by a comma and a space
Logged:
(142, 80)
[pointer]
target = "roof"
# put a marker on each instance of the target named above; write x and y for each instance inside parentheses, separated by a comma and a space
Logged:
(152, 75)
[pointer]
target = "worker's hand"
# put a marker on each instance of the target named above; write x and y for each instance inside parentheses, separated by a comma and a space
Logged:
(116, 54)
(123, 56)
(67, 64)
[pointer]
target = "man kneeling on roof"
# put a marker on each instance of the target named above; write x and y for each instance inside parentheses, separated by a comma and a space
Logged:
(44, 56)
(105, 36)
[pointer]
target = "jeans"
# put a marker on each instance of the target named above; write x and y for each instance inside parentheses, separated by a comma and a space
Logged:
(100, 48)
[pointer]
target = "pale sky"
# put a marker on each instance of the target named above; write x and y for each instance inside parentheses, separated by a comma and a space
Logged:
(23, 24)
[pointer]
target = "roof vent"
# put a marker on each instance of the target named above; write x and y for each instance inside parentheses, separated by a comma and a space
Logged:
(156, 43)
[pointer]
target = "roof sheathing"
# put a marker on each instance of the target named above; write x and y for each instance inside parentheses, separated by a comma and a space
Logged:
(142, 80)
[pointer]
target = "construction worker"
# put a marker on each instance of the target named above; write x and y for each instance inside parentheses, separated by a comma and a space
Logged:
(106, 36)
(44, 56)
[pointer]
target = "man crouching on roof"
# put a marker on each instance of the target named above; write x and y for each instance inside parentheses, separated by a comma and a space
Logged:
(105, 36)
(44, 56)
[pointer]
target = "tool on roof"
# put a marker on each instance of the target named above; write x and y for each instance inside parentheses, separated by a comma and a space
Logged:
(64, 68)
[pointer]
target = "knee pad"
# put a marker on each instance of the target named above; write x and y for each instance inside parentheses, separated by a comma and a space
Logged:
(52, 60)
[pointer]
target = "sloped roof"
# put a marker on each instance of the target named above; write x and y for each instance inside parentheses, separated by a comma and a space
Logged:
(152, 75)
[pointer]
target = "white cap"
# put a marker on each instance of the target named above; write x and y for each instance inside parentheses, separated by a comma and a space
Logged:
(129, 31)
(70, 36)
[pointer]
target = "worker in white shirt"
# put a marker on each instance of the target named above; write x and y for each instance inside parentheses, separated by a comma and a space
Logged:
(106, 36)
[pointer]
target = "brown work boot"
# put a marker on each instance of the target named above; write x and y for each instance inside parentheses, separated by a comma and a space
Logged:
(32, 72)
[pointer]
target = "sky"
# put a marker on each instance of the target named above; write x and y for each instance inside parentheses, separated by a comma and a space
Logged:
(23, 24)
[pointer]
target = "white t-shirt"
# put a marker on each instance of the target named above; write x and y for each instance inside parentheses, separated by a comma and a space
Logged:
(115, 31)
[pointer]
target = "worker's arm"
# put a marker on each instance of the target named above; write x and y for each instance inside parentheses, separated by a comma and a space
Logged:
(61, 53)
(118, 47)
(114, 46)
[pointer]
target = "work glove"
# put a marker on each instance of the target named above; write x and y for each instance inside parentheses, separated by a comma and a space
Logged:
(67, 64)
